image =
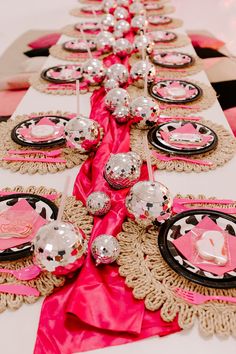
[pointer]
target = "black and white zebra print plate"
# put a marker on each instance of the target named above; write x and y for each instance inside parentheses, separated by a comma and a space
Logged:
(181, 224)
(63, 74)
(79, 45)
(156, 138)
(26, 140)
(43, 206)
(175, 60)
(175, 91)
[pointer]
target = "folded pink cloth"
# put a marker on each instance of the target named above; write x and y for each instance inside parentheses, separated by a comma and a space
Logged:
(231, 118)
(45, 41)
(203, 41)
(15, 82)
(9, 100)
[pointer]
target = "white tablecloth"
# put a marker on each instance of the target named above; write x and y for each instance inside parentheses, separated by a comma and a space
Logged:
(18, 329)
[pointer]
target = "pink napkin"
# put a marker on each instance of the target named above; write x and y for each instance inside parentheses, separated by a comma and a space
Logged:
(231, 118)
(19, 217)
(45, 41)
(187, 248)
(185, 129)
(203, 41)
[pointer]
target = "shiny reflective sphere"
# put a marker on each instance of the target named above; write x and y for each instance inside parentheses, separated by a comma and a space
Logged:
(110, 84)
(118, 72)
(83, 134)
(98, 203)
(136, 8)
(105, 249)
(108, 22)
(122, 47)
(121, 114)
(93, 71)
(59, 247)
(104, 41)
(121, 13)
(138, 23)
(109, 5)
(149, 203)
(144, 111)
(143, 43)
(122, 26)
(116, 97)
(138, 72)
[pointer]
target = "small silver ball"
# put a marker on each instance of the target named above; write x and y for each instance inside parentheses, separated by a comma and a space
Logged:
(104, 41)
(109, 5)
(138, 23)
(138, 72)
(105, 249)
(93, 71)
(121, 114)
(122, 170)
(118, 34)
(122, 47)
(136, 8)
(108, 22)
(124, 3)
(83, 133)
(122, 26)
(110, 84)
(98, 203)
(121, 13)
(143, 42)
(118, 72)
(145, 112)
(116, 97)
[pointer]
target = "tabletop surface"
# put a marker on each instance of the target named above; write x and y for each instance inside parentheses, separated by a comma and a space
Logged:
(18, 329)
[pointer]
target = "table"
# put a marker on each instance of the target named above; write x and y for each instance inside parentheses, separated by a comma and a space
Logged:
(18, 329)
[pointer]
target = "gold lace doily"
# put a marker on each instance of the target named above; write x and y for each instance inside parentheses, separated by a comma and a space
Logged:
(72, 156)
(41, 85)
(59, 52)
(153, 281)
(225, 150)
(75, 213)
(181, 41)
(175, 23)
(207, 99)
(168, 72)
(70, 31)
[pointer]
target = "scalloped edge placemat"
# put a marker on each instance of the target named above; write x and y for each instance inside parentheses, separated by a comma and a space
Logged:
(46, 282)
(72, 156)
(182, 40)
(175, 74)
(153, 281)
(224, 152)
(207, 99)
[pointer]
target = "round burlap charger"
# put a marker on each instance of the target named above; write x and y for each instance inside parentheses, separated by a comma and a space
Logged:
(71, 31)
(207, 99)
(167, 9)
(78, 13)
(174, 73)
(153, 281)
(46, 282)
(182, 40)
(59, 52)
(42, 85)
(175, 23)
(224, 151)
(72, 156)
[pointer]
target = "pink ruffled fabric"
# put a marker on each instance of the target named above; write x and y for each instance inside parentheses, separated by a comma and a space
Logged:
(45, 41)
(204, 41)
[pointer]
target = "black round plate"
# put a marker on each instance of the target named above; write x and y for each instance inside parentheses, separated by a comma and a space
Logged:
(155, 139)
(161, 20)
(173, 37)
(92, 26)
(171, 230)
(19, 139)
(45, 208)
(79, 49)
(159, 59)
(167, 99)
(46, 74)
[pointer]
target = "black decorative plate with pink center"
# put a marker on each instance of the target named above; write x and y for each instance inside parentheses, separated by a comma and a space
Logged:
(40, 132)
(88, 26)
(152, 6)
(174, 241)
(90, 9)
(63, 74)
(79, 46)
(172, 59)
(175, 91)
(183, 138)
(162, 36)
(157, 20)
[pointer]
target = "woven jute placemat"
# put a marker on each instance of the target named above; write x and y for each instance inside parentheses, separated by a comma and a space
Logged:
(44, 86)
(153, 281)
(72, 156)
(182, 40)
(46, 282)
(207, 99)
(175, 23)
(78, 13)
(71, 31)
(59, 52)
(175, 73)
(224, 151)
(166, 9)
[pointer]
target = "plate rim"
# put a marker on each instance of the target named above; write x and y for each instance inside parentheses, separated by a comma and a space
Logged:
(176, 267)
(176, 66)
(43, 75)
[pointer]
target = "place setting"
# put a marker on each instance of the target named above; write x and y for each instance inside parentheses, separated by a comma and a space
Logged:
(163, 22)
(24, 213)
